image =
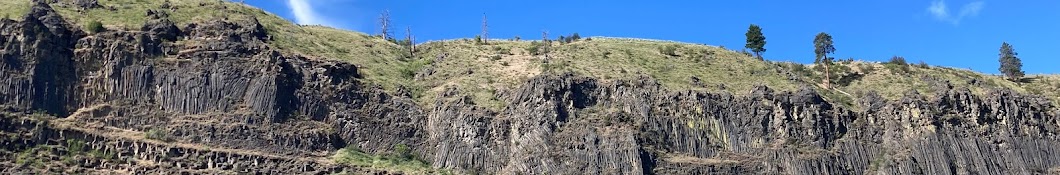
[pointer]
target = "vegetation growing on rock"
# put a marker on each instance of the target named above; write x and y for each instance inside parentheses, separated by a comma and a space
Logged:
(214, 87)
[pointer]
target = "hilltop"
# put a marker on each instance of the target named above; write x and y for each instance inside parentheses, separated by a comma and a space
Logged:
(235, 89)
(482, 69)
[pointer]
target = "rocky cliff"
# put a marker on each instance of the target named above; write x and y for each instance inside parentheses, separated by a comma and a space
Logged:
(215, 97)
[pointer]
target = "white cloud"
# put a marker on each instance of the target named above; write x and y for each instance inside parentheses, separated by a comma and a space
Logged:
(938, 9)
(972, 9)
(941, 12)
(305, 14)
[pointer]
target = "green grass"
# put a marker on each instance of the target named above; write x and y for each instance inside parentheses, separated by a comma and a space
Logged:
(159, 134)
(399, 160)
(375, 56)
(14, 9)
(31, 156)
(70, 154)
(717, 69)
(131, 14)
(1045, 85)
(482, 71)
(891, 81)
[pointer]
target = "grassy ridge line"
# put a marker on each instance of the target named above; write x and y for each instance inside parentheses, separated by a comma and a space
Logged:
(647, 40)
(484, 70)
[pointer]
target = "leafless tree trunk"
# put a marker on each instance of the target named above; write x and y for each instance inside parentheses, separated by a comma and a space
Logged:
(544, 49)
(485, 31)
(411, 39)
(384, 24)
(544, 36)
(827, 76)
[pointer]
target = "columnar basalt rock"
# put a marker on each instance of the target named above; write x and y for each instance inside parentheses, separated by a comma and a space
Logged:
(223, 100)
(33, 49)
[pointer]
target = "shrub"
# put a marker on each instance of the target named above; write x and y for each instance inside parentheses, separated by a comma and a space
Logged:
(407, 73)
(901, 69)
(401, 159)
(75, 146)
(533, 48)
(669, 50)
(94, 27)
(897, 64)
(495, 57)
(157, 134)
(867, 68)
(801, 69)
(517, 38)
(478, 39)
(538, 48)
(898, 60)
(553, 67)
(401, 152)
(923, 65)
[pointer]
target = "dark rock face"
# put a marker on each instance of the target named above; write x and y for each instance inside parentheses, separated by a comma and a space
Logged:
(160, 27)
(571, 125)
(228, 103)
(87, 4)
(223, 88)
(32, 50)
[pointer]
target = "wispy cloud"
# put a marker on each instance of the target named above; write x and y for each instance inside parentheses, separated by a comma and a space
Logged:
(941, 12)
(305, 14)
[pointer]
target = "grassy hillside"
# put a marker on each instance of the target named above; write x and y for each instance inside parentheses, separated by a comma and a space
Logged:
(483, 70)
(376, 56)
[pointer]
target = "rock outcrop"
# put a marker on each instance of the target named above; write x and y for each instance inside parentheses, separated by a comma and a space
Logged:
(568, 124)
(215, 97)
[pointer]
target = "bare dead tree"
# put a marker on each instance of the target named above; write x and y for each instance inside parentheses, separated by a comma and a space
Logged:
(411, 39)
(545, 45)
(485, 31)
(544, 35)
(384, 24)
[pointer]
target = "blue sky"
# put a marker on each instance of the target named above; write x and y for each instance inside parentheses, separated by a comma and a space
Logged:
(954, 33)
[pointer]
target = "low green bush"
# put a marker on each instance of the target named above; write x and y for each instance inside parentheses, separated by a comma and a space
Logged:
(401, 158)
(669, 50)
(94, 27)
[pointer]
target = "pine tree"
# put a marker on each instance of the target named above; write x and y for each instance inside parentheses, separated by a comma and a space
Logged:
(822, 47)
(1011, 65)
(755, 40)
